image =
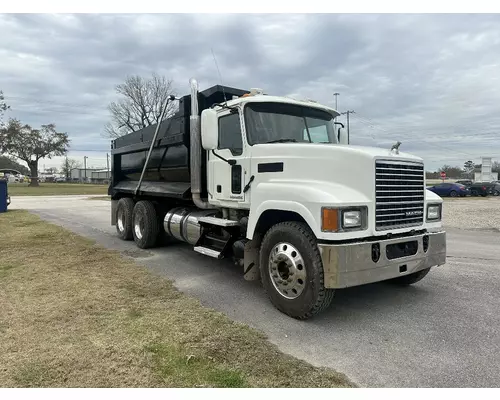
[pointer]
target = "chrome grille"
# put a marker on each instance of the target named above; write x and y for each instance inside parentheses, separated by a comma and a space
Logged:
(399, 194)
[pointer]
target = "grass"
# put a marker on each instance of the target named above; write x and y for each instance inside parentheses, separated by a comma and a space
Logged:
(75, 314)
(55, 189)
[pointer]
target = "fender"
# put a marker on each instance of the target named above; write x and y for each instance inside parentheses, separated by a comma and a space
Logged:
(302, 197)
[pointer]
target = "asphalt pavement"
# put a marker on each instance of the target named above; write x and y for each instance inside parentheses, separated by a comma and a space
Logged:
(442, 332)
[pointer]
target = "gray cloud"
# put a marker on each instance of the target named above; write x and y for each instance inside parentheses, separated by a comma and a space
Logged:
(430, 81)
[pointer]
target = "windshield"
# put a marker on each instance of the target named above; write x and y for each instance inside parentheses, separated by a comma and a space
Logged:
(280, 122)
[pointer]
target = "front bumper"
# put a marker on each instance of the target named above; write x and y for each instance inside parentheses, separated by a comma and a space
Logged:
(347, 265)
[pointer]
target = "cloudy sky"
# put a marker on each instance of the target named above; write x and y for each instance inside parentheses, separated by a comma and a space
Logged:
(429, 81)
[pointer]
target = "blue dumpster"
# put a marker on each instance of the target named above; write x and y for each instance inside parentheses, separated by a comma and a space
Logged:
(4, 196)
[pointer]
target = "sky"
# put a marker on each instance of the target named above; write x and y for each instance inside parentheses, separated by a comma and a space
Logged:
(431, 81)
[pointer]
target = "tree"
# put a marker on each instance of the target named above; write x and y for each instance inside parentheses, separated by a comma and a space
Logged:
(3, 107)
(496, 167)
(30, 145)
(10, 163)
(69, 164)
(451, 172)
(141, 104)
(469, 168)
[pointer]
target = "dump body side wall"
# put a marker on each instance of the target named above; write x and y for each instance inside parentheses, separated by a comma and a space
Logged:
(168, 172)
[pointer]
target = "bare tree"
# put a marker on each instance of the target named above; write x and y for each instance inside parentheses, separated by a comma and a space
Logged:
(68, 164)
(140, 105)
(29, 145)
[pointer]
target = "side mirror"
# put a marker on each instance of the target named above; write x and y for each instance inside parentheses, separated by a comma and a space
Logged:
(209, 129)
(343, 137)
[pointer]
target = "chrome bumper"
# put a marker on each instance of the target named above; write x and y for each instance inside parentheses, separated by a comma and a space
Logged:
(347, 265)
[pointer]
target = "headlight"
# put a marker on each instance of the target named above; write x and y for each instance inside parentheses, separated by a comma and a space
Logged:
(343, 219)
(434, 212)
(351, 219)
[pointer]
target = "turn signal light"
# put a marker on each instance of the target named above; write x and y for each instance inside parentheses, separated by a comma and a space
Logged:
(330, 220)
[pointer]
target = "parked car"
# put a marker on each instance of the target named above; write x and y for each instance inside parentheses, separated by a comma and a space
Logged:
(465, 182)
(449, 189)
(493, 188)
(480, 189)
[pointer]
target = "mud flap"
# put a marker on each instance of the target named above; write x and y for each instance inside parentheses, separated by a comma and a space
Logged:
(114, 205)
(251, 271)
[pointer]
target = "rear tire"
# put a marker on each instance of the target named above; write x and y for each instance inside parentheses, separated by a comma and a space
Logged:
(453, 193)
(145, 225)
(291, 270)
(124, 211)
(410, 279)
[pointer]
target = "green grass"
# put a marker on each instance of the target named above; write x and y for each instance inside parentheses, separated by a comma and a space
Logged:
(75, 314)
(55, 189)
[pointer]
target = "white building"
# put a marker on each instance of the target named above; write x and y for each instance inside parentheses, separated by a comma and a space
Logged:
(101, 176)
(82, 174)
(485, 175)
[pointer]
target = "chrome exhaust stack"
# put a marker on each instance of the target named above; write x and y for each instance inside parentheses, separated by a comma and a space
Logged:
(195, 148)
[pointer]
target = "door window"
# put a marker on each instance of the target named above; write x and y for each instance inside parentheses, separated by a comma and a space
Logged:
(230, 134)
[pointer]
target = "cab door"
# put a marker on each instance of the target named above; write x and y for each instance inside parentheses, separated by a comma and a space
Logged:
(226, 181)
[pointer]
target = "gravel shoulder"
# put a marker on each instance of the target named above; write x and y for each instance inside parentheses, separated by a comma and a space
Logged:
(472, 213)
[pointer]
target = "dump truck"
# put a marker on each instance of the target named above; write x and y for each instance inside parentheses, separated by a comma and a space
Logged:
(272, 184)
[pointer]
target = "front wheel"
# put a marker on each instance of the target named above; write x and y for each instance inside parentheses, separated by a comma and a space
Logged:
(292, 271)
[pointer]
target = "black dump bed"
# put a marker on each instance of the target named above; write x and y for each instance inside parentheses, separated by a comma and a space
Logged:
(167, 174)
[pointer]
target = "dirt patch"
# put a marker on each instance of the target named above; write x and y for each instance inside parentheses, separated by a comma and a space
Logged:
(77, 315)
(55, 189)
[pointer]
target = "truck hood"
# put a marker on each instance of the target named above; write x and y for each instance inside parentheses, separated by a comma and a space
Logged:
(346, 171)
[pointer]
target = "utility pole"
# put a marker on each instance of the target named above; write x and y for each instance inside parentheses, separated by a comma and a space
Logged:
(336, 107)
(67, 168)
(347, 113)
(85, 166)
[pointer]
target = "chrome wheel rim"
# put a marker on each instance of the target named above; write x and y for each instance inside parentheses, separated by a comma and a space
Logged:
(121, 225)
(138, 227)
(287, 270)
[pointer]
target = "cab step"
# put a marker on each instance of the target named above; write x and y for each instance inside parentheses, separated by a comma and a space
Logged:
(208, 252)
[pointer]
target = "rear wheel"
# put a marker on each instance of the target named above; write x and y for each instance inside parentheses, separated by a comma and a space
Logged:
(410, 279)
(124, 212)
(146, 227)
(292, 271)
(453, 193)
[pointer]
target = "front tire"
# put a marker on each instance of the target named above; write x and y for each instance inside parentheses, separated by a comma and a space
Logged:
(291, 270)
(410, 279)
(146, 227)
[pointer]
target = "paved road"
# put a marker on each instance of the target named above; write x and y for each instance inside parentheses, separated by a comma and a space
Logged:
(442, 332)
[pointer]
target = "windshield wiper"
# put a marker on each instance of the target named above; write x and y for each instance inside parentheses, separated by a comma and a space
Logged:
(282, 141)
